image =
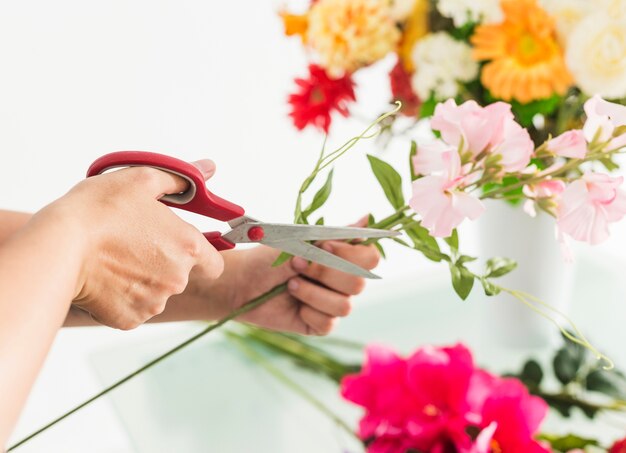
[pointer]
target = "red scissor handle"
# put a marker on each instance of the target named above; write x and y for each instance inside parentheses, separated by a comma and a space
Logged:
(196, 198)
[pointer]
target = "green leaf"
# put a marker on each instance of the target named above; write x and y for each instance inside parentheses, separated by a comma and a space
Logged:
(412, 154)
(320, 196)
(465, 259)
(566, 363)
(497, 267)
(320, 221)
(490, 288)
(427, 108)
(532, 374)
(389, 180)
(567, 442)
(462, 280)
(424, 242)
(370, 220)
(526, 112)
(283, 257)
(380, 249)
(611, 383)
(453, 240)
(514, 197)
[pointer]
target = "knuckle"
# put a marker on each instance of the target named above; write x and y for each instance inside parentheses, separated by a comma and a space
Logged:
(145, 176)
(373, 258)
(128, 324)
(316, 271)
(176, 284)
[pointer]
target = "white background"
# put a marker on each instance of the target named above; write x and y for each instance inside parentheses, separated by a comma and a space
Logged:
(188, 78)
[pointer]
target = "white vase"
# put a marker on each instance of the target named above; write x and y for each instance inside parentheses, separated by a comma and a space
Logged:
(507, 231)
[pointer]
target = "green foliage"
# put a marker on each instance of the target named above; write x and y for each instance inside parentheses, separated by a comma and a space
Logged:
(612, 383)
(381, 250)
(497, 267)
(568, 361)
(568, 442)
(453, 240)
(462, 280)
(320, 197)
(412, 153)
(514, 196)
(389, 179)
(525, 112)
(282, 258)
(424, 242)
(532, 374)
(427, 109)
(489, 288)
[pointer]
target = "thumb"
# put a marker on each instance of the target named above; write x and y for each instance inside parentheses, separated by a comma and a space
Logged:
(206, 167)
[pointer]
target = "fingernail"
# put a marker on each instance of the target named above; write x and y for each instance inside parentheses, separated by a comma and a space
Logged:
(299, 264)
(293, 285)
(328, 247)
(206, 167)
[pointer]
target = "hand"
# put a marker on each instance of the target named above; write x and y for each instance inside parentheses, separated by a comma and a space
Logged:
(138, 252)
(316, 295)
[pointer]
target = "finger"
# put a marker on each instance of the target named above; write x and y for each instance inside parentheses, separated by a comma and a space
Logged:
(156, 182)
(364, 256)
(322, 299)
(318, 323)
(206, 166)
(208, 262)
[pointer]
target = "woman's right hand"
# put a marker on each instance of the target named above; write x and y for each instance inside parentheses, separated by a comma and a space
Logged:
(137, 252)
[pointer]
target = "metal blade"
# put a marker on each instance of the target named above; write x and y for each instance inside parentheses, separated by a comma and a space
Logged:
(318, 255)
(284, 232)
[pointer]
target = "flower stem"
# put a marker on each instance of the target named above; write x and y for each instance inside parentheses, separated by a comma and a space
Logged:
(254, 303)
(282, 377)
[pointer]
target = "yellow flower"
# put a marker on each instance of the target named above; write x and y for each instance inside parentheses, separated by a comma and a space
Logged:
(349, 34)
(415, 28)
(525, 62)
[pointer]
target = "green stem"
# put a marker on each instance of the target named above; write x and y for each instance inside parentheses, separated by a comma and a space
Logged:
(282, 377)
(574, 401)
(254, 303)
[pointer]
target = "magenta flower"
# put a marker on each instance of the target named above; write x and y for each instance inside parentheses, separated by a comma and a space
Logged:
(589, 205)
(511, 418)
(432, 400)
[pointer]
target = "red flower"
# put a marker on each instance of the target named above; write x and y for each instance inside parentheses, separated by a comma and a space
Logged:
(318, 96)
(619, 447)
(402, 91)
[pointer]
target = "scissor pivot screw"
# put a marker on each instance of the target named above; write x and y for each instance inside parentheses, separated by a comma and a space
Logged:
(256, 233)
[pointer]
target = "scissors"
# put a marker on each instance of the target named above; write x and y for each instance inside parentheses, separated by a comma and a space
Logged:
(198, 199)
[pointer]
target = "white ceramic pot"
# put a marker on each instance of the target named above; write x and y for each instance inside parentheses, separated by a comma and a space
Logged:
(507, 231)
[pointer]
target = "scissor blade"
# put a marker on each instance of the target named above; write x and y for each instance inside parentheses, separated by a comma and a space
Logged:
(279, 231)
(313, 253)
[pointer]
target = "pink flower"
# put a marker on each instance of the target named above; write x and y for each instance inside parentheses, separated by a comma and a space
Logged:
(474, 130)
(439, 199)
(603, 118)
(430, 157)
(543, 191)
(469, 125)
(588, 205)
(516, 415)
(569, 144)
(516, 147)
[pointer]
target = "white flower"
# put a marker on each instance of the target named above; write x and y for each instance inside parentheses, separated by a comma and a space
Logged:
(568, 13)
(464, 11)
(596, 53)
(401, 9)
(441, 62)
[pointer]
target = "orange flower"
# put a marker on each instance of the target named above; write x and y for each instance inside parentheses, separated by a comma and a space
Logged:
(525, 61)
(415, 28)
(295, 24)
